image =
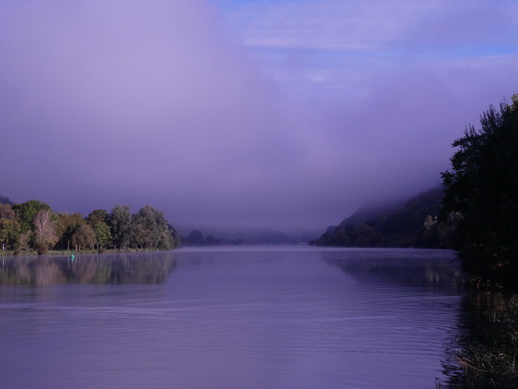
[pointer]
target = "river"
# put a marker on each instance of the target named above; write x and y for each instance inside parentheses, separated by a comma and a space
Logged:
(229, 317)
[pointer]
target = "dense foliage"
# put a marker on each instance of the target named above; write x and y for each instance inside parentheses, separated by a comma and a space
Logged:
(33, 225)
(483, 188)
(413, 223)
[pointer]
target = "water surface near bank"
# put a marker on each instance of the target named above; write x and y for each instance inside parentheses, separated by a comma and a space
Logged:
(255, 317)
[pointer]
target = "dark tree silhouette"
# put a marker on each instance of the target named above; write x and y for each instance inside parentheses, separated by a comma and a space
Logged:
(483, 188)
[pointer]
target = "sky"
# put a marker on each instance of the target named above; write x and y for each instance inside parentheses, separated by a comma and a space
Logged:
(241, 114)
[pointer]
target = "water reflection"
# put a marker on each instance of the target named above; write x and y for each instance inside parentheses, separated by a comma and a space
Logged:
(231, 318)
(134, 268)
(425, 268)
(483, 353)
(481, 350)
(436, 271)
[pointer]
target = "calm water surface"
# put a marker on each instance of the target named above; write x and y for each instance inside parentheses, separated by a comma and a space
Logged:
(270, 317)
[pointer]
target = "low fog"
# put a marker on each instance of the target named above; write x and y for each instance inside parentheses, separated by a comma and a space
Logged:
(227, 116)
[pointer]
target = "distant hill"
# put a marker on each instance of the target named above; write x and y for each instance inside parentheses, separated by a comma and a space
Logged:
(371, 212)
(410, 223)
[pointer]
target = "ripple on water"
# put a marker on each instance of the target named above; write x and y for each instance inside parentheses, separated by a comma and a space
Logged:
(234, 319)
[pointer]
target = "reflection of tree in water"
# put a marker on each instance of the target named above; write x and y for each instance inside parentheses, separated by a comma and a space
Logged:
(416, 268)
(133, 268)
(485, 353)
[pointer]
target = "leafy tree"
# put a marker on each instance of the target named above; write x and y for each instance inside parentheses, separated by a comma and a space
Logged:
(98, 220)
(67, 224)
(141, 237)
(438, 233)
(150, 229)
(97, 216)
(103, 235)
(120, 226)
(483, 188)
(166, 241)
(84, 237)
(26, 212)
(45, 236)
(23, 243)
(9, 231)
(7, 212)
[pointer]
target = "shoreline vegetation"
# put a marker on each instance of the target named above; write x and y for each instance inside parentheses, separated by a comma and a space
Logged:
(32, 227)
(30, 253)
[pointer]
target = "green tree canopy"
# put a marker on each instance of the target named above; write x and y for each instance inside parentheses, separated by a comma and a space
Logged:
(9, 231)
(150, 229)
(483, 188)
(84, 237)
(67, 225)
(120, 225)
(103, 235)
(33, 225)
(97, 216)
(26, 212)
(7, 212)
(98, 219)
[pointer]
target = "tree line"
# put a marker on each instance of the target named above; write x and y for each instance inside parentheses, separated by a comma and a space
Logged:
(413, 223)
(33, 225)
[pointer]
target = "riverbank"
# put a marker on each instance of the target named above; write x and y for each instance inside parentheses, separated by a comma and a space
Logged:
(485, 354)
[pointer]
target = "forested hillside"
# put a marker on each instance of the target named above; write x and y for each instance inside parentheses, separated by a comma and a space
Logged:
(413, 223)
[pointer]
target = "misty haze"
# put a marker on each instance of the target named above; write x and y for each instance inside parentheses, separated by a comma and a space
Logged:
(242, 115)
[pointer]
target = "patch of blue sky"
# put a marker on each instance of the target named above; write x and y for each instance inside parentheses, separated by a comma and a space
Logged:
(328, 46)
(401, 28)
